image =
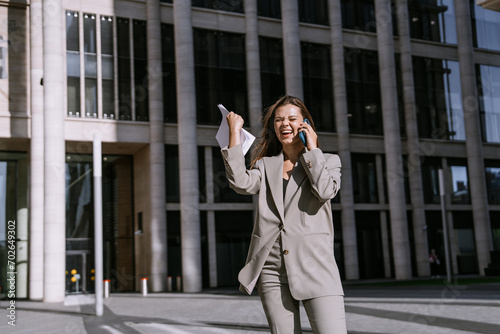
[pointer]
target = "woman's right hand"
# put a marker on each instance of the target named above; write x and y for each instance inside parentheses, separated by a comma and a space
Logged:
(235, 123)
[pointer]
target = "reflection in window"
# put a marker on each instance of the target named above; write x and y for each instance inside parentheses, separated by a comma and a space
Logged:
(124, 74)
(460, 183)
(140, 71)
(227, 5)
(433, 20)
(269, 8)
(317, 78)
(358, 15)
(168, 68)
(73, 63)
(108, 83)
(90, 50)
(272, 69)
(486, 27)
(313, 11)
(364, 178)
(220, 72)
(363, 92)
(439, 99)
(489, 102)
(172, 174)
(117, 220)
(493, 182)
(430, 180)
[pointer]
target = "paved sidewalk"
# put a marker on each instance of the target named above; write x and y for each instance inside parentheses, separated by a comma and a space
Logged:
(443, 308)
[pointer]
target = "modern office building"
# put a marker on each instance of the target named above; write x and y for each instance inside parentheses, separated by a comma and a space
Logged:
(400, 90)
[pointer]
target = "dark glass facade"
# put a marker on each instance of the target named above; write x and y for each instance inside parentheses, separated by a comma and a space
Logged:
(220, 72)
(317, 80)
(363, 92)
(438, 98)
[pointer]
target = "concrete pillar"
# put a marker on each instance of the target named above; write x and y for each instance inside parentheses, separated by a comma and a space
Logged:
(54, 149)
(158, 223)
(35, 272)
(392, 140)
(342, 127)
(473, 144)
(188, 150)
(291, 48)
(414, 166)
(253, 66)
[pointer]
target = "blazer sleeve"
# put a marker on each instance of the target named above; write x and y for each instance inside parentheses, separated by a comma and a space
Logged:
(323, 171)
(242, 180)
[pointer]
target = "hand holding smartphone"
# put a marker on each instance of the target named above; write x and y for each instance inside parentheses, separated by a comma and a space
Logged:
(302, 134)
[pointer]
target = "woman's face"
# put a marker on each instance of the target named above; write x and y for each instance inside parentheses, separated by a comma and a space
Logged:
(287, 120)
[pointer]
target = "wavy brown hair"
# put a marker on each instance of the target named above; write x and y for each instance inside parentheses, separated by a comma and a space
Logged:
(269, 145)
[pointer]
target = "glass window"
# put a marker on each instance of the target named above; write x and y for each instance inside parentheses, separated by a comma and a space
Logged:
(364, 178)
(433, 20)
(493, 181)
(485, 27)
(72, 31)
(124, 73)
(90, 60)
(227, 5)
(460, 182)
(222, 192)
(220, 73)
(169, 81)
(313, 11)
(495, 229)
(318, 91)
(13, 201)
(430, 179)
(269, 8)
(117, 221)
(272, 69)
(232, 241)
(438, 98)
(358, 15)
(73, 64)
(363, 92)
(172, 173)
(140, 71)
(489, 101)
(108, 96)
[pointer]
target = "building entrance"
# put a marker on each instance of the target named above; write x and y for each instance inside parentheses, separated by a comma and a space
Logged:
(118, 237)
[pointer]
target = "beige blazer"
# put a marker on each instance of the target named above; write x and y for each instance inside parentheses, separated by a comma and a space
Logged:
(303, 217)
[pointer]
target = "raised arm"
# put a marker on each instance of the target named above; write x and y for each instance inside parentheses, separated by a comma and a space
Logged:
(243, 181)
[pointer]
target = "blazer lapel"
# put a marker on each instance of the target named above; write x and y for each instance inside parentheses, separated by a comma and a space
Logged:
(274, 175)
(298, 176)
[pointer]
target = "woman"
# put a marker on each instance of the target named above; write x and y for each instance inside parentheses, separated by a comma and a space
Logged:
(290, 258)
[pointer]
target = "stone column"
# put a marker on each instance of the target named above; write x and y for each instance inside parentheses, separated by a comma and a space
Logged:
(342, 127)
(392, 141)
(54, 150)
(414, 164)
(473, 144)
(36, 154)
(253, 66)
(188, 150)
(291, 48)
(158, 223)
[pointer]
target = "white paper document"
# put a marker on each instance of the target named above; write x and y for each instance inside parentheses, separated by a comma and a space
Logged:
(223, 134)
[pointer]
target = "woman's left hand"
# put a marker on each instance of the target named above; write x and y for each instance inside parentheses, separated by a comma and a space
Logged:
(312, 137)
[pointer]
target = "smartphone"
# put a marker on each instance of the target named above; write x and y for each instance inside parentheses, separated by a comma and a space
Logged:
(302, 134)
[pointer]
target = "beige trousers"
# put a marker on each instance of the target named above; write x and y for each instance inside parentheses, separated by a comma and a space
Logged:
(326, 314)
